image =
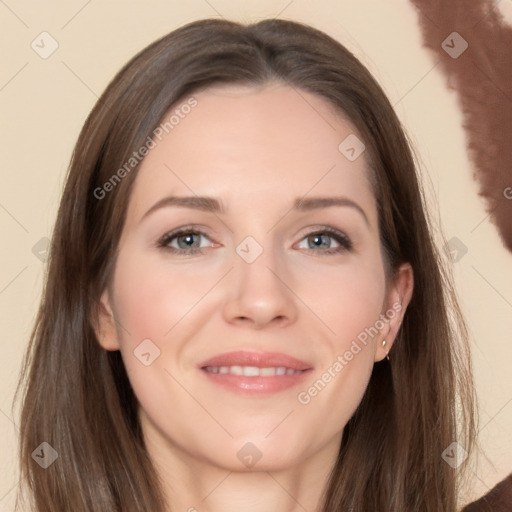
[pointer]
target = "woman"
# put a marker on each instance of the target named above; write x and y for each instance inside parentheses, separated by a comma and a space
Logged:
(311, 355)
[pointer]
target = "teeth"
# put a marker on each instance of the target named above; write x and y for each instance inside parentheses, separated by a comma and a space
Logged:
(252, 371)
(236, 370)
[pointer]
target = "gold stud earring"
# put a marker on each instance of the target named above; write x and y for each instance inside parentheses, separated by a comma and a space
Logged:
(387, 353)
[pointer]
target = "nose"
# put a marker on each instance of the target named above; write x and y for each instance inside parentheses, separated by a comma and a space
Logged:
(261, 293)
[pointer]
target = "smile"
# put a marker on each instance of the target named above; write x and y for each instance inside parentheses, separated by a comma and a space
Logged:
(253, 371)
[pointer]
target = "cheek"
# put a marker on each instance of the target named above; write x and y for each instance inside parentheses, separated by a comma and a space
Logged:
(331, 399)
(151, 297)
(163, 304)
(348, 301)
(150, 300)
(344, 299)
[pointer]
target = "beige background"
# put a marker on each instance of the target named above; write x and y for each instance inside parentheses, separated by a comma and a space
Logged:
(44, 103)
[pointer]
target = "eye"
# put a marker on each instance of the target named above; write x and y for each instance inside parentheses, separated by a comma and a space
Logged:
(183, 241)
(322, 239)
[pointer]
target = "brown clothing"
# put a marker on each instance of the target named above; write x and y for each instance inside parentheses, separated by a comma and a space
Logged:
(498, 499)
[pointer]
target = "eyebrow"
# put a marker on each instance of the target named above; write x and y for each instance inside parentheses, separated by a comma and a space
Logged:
(210, 204)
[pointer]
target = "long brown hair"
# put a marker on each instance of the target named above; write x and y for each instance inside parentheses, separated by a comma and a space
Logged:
(77, 396)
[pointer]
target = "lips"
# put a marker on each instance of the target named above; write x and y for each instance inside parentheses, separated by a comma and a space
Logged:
(256, 359)
(252, 373)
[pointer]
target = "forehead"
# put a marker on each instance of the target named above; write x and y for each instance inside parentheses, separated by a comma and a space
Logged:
(252, 145)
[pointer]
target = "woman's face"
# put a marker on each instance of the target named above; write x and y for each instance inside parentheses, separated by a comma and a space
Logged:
(249, 338)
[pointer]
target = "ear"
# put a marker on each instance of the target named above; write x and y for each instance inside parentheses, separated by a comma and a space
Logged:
(104, 324)
(398, 297)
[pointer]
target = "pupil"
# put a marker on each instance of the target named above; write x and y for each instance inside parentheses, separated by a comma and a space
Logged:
(318, 238)
(188, 240)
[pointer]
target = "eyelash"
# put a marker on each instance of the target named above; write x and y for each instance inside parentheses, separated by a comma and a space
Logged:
(341, 238)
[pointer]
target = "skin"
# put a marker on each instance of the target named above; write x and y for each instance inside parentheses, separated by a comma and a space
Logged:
(256, 149)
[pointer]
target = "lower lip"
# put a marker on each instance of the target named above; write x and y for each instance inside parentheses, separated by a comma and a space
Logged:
(257, 385)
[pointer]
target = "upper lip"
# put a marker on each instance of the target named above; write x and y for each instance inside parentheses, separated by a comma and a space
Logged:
(256, 358)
